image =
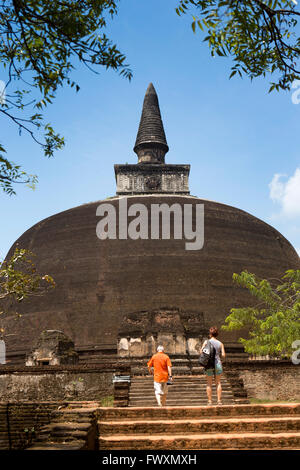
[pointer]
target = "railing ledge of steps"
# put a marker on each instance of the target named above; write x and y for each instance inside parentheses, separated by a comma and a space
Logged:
(121, 381)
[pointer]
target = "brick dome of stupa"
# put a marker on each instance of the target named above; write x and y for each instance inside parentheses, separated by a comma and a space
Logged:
(99, 282)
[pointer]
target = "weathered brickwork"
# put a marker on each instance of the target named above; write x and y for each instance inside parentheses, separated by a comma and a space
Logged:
(266, 380)
(271, 380)
(36, 384)
(20, 422)
(121, 394)
(98, 282)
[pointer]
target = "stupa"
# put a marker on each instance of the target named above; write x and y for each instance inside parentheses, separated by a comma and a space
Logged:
(122, 294)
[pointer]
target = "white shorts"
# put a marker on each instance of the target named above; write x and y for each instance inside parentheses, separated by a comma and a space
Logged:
(161, 388)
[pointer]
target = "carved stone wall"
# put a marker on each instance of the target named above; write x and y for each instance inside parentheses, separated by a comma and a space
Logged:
(50, 383)
(180, 333)
(152, 178)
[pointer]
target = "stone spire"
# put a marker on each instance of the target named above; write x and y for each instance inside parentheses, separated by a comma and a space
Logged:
(151, 175)
(151, 144)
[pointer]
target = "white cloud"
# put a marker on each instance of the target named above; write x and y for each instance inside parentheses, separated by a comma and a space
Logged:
(286, 193)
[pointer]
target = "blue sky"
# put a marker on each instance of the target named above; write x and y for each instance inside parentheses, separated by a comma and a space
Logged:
(237, 138)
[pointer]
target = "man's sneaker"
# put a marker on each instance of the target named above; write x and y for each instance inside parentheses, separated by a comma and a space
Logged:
(209, 403)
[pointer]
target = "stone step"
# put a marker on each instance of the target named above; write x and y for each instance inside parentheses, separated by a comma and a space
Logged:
(179, 397)
(177, 389)
(84, 411)
(201, 441)
(41, 438)
(183, 392)
(179, 386)
(199, 426)
(192, 361)
(175, 382)
(177, 393)
(69, 418)
(63, 437)
(230, 411)
(177, 377)
(64, 431)
(66, 427)
(148, 385)
(241, 401)
(89, 405)
(183, 370)
(175, 397)
(178, 403)
(183, 380)
(73, 424)
(189, 401)
(73, 445)
(68, 437)
(186, 390)
(74, 413)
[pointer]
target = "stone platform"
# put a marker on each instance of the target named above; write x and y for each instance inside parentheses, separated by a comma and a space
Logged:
(86, 425)
(188, 428)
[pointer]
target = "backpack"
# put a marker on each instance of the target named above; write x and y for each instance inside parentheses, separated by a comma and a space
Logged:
(207, 356)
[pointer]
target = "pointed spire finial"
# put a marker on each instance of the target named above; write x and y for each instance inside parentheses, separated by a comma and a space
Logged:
(151, 144)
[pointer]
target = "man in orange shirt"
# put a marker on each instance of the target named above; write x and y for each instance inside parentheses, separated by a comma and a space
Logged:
(161, 364)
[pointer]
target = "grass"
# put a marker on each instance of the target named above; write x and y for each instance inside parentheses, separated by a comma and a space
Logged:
(107, 401)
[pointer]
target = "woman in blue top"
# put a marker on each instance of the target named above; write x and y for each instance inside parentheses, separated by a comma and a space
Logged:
(218, 370)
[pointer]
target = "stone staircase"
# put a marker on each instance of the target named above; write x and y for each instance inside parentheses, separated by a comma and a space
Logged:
(192, 428)
(185, 391)
(181, 364)
(72, 427)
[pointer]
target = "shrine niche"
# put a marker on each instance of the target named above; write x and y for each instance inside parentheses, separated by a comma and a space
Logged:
(52, 348)
(152, 182)
(181, 333)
